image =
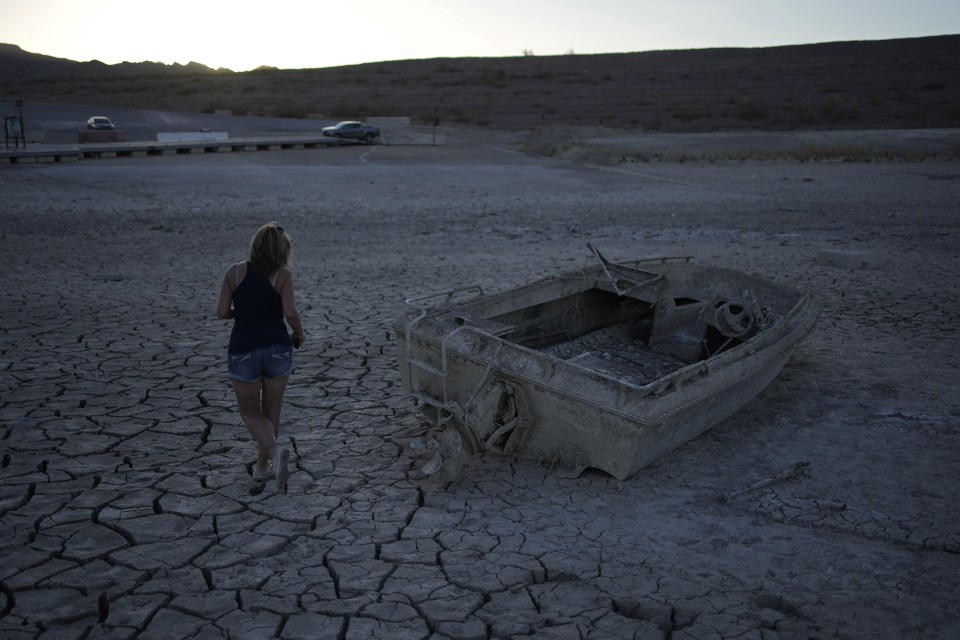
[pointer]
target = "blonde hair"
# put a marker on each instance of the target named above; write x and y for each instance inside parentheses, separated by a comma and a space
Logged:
(270, 249)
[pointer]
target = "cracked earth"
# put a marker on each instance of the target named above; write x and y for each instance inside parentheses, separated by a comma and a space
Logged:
(825, 508)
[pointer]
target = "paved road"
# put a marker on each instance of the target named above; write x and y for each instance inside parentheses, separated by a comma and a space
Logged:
(126, 504)
(59, 123)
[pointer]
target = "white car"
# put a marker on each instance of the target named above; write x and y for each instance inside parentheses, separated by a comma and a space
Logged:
(100, 122)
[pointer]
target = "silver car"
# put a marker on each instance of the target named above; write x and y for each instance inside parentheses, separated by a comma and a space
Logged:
(353, 129)
(100, 122)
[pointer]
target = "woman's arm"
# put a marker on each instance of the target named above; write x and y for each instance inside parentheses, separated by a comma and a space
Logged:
(224, 311)
(290, 307)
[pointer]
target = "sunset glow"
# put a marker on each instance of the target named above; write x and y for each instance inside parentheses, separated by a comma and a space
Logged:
(242, 35)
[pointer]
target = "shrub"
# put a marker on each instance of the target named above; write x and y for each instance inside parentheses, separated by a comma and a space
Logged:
(496, 79)
(836, 110)
(346, 109)
(691, 112)
(752, 109)
(800, 113)
(292, 109)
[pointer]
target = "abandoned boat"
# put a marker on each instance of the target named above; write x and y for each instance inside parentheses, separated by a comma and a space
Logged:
(610, 366)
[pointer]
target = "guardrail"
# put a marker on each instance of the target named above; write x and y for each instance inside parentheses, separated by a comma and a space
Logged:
(44, 153)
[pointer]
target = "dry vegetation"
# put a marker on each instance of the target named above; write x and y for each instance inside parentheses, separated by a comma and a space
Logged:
(906, 83)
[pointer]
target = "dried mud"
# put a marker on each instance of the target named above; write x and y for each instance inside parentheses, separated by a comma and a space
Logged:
(825, 508)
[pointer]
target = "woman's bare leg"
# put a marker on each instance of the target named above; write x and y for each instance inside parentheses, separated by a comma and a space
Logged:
(259, 425)
(273, 390)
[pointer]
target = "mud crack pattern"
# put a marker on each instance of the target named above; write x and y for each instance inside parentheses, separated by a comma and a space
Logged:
(127, 508)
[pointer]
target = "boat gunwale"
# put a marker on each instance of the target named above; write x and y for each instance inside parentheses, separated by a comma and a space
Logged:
(747, 350)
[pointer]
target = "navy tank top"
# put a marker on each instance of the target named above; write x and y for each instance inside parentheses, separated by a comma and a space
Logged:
(258, 320)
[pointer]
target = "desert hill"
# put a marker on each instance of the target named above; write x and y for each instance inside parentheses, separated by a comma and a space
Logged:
(17, 64)
(902, 83)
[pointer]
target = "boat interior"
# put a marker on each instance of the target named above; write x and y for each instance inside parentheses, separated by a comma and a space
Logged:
(636, 328)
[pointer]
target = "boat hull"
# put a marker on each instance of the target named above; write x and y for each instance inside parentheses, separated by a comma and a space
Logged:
(502, 395)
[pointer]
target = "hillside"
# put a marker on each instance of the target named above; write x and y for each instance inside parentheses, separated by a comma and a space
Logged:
(905, 83)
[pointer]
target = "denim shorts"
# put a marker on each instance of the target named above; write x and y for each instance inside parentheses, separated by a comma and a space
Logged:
(268, 362)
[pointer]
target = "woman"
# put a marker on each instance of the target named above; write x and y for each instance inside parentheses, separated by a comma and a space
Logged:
(260, 354)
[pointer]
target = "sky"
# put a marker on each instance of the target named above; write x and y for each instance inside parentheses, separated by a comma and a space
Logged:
(241, 34)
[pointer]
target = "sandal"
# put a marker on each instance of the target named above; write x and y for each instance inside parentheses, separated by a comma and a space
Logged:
(261, 476)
